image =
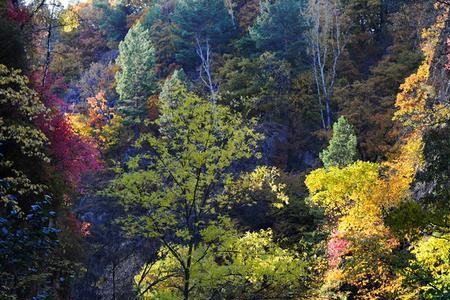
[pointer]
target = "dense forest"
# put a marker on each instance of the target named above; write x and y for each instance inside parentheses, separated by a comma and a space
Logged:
(224, 149)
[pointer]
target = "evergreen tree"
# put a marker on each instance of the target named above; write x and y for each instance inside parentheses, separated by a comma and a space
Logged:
(113, 22)
(173, 92)
(200, 22)
(136, 81)
(342, 148)
(174, 89)
(280, 28)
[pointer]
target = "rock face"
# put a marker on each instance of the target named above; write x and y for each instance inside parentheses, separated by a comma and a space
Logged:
(439, 73)
(432, 180)
(275, 149)
(112, 259)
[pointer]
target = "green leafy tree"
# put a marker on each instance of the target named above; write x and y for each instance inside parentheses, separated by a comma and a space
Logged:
(182, 182)
(428, 274)
(136, 81)
(242, 266)
(20, 139)
(28, 241)
(187, 167)
(342, 148)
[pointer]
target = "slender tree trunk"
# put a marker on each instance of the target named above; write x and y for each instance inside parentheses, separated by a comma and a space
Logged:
(48, 50)
(47, 57)
(328, 111)
(187, 273)
(326, 42)
(205, 57)
(114, 281)
(319, 94)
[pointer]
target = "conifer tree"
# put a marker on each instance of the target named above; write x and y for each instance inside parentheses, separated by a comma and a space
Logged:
(215, 32)
(280, 28)
(342, 148)
(136, 81)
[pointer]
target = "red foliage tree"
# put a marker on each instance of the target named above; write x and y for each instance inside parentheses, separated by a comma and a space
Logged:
(72, 155)
(16, 13)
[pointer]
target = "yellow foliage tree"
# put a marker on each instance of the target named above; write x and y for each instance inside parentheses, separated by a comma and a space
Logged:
(353, 197)
(357, 196)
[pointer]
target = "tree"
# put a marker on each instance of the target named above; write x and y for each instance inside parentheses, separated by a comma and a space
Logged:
(425, 119)
(113, 22)
(51, 17)
(101, 124)
(338, 190)
(100, 114)
(174, 89)
(76, 50)
(199, 44)
(326, 40)
(361, 246)
(164, 35)
(428, 273)
(342, 148)
(29, 242)
(257, 87)
(179, 189)
(173, 93)
(184, 183)
(136, 80)
(20, 137)
(368, 101)
(245, 266)
(216, 31)
(12, 53)
(72, 155)
(97, 78)
(280, 28)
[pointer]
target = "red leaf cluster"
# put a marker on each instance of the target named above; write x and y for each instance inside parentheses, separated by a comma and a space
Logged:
(336, 248)
(16, 13)
(72, 154)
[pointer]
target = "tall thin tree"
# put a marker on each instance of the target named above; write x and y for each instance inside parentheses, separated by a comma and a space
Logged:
(327, 36)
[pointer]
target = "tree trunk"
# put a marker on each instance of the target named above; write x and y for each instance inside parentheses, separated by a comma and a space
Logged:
(187, 273)
(328, 111)
(114, 281)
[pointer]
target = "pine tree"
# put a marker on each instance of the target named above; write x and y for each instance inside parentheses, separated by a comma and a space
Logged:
(342, 148)
(174, 89)
(280, 29)
(201, 23)
(136, 81)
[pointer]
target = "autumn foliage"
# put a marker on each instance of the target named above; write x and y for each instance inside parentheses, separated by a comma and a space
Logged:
(225, 149)
(72, 155)
(16, 13)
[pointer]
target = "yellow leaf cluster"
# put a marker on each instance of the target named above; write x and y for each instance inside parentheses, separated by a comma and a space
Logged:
(413, 102)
